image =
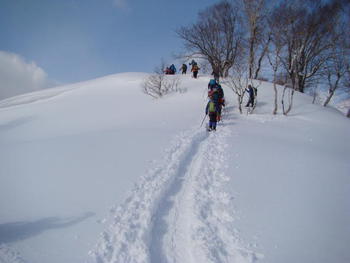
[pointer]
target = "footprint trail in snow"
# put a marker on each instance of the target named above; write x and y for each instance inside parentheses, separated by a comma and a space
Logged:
(178, 212)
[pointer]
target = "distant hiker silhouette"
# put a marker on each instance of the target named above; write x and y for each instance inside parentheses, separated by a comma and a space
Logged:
(184, 68)
(252, 93)
(194, 70)
(170, 70)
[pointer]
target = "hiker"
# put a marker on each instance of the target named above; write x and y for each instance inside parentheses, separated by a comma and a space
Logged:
(195, 69)
(167, 71)
(172, 69)
(251, 92)
(193, 62)
(221, 101)
(212, 111)
(184, 68)
(217, 96)
(212, 84)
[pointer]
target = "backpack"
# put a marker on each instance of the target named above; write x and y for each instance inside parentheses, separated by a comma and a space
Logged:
(212, 107)
(212, 82)
(220, 92)
(215, 96)
(195, 68)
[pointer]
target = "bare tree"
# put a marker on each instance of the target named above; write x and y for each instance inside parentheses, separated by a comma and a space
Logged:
(217, 36)
(335, 70)
(307, 34)
(258, 39)
(274, 57)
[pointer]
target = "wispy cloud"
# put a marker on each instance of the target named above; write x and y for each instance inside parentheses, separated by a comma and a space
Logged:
(19, 76)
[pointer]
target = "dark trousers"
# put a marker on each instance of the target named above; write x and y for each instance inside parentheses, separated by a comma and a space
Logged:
(250, 102)
(195, 73)
(212, 120)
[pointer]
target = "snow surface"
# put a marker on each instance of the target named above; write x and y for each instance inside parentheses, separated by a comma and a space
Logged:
(99, 172)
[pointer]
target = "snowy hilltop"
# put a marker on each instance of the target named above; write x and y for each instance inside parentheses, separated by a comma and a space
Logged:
(99, 172)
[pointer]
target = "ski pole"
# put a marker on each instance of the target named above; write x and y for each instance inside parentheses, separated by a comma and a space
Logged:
(203, 120)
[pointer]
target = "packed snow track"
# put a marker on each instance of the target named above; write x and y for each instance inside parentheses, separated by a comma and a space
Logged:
(179, 211)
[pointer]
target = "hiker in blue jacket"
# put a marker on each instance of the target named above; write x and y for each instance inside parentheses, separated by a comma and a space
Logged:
(212, 84)
(250, 91)
(172, 69)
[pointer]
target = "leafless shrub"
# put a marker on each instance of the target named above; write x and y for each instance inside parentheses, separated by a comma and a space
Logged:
(238, 83)
(158, 85)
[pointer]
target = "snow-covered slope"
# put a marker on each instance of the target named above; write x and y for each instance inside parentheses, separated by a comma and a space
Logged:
(100, 172)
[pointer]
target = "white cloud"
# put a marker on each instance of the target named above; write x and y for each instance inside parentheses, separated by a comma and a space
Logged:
(18, 76)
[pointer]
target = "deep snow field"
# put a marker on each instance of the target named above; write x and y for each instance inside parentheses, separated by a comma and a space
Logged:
(99, 172)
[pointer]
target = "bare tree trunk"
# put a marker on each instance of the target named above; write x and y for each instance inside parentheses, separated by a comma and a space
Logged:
(333, 87)
(262, 55)
(274, 112)
(240, 101)
(290, 100)
(251, 56)
(314, 97)
(328, 99)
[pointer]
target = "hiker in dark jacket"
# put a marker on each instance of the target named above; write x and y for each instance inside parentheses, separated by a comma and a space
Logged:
(192, 63)
(172, 69)
(250, 91)
(184, 68)
(221, 101)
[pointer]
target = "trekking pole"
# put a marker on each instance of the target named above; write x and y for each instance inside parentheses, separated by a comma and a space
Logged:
(203, 120)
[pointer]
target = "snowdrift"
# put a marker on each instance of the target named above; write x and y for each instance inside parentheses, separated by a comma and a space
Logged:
(100, 172)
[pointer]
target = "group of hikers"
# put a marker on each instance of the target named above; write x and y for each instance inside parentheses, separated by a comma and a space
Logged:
(194, 69)
(215, 94)
(215, 103)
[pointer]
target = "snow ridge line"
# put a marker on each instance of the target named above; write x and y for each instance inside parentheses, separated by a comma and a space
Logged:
(128, 238)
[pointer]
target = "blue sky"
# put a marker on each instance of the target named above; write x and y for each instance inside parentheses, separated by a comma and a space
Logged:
(74, 40)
